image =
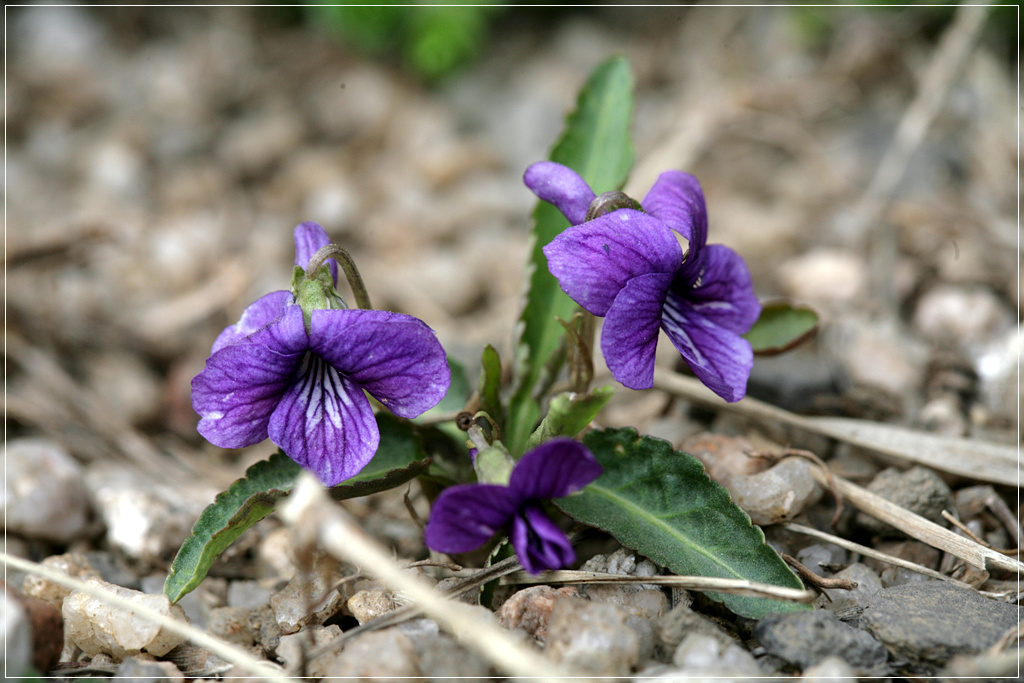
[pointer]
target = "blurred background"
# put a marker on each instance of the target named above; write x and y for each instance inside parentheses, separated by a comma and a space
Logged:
(157, 160)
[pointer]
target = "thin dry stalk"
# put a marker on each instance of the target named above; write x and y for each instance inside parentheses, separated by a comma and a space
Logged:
(963, 527)
(226, 651)
(311, 515)
(698, 583)
(874, 554)
(970, 458)
(918, 527)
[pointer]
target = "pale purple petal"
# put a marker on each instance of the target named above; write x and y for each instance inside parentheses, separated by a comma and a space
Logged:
(238, 391)
(260, 313)
(554, 469)
(464, 517)
(629, 336)
(309, 239)
(561, 186)
(594, 261)
(725, 295)
(324, 422)
(677, 200)
(538, 541)
(395, 357)
(721, 359)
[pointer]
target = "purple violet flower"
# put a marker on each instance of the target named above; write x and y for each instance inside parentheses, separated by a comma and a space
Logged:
(272, 375)
(628, 267)
(465, 516)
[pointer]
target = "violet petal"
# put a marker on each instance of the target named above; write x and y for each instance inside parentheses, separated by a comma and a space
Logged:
(238, 391)
(561, 186)
(260, 313)
(721, 359)
(726, 293)
(309, 239)
(464, 517)
(554, 469)
(395, 357)
(324, 422)
(629, 337)
(538, 541)
(594, 261)
(677, 200)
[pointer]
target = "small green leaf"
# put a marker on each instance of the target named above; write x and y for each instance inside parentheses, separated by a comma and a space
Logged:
(780, 327)
(596, 144)
(399, 458)
(568, 415)
(490, 385)
(661, 503)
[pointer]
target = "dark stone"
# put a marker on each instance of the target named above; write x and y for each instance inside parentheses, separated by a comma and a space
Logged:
(926, 624)
(806, 638)
(919, 490)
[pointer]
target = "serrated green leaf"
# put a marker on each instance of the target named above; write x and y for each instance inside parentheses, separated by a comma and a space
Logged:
(661, 503)
(596, 144)
(780, 327)
(399, 458)
(568, 415)
(490, 385)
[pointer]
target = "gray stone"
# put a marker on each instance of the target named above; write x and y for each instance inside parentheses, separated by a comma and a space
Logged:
(249, 594)
(148, 671)
(831, 668)
(919, 490)
(529, 609)
(819, 556)
(778, 494)
(806, 638)
(292, 648)
(231, 624)
(96, 626)
(43, 492)
(868, 583)
(386, 655)
(682, 621)
(592, 637)
(308, 601)
(74, 565)
(700, 653)
(928, 623)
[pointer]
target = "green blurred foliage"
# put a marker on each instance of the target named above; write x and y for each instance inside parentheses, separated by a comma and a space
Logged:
(431, 41)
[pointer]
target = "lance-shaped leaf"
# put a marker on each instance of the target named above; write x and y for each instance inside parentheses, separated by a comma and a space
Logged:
(399, 458)
(780, 327)
(596, 144)
(661, 503)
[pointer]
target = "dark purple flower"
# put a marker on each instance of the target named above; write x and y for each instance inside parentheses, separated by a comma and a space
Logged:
(465, 516)
(270, 375)
(628, 267)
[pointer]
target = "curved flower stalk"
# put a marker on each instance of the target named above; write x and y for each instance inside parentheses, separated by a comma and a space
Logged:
(627, 266)
(298, 376)
(464, 517)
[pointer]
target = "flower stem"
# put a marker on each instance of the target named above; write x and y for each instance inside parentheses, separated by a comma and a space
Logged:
(348, 265)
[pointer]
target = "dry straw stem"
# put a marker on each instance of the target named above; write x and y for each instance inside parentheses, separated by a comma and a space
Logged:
(226, 651)
(918, 527)
(970, 458)
(310, 513)
(699, 583)
(872, 553)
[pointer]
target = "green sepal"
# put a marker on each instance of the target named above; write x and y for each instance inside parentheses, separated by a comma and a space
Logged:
(569, 414)
(661, 503)
(781, 326)
(399, 458)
